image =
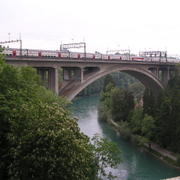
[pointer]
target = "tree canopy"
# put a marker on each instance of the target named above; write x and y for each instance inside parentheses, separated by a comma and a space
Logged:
(39, 138)
(156, 120)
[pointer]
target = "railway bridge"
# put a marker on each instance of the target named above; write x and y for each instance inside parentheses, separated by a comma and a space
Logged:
(67, 77)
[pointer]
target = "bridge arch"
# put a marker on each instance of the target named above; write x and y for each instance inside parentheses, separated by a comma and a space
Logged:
(146, 77)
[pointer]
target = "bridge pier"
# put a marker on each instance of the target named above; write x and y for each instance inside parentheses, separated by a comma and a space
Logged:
(43, 73)
(54, 80)
(82, 75)
(49, 78)
(155, 71)
(171, 73)
(72, 73)
(165, 74)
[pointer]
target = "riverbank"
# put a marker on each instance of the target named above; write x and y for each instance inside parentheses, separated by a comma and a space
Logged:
(164, 155)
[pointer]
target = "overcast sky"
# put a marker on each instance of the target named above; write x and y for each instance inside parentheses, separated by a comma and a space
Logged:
(102, 24)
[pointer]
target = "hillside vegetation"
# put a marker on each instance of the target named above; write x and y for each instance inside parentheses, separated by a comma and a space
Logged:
(157, 120)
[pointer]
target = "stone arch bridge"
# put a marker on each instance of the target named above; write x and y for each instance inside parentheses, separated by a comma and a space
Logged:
(76, 74)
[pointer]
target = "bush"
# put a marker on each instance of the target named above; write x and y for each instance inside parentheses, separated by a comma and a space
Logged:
(38, 137)
(50, 147)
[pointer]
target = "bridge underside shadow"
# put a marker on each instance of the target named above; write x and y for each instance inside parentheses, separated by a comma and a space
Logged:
(147, 78)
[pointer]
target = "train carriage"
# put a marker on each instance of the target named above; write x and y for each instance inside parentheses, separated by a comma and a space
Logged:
(135, 58)
(156, 56)
(65, 54)
(90, 56)
(74, 55)
(97, 55)
(48, 53)
(32, 52)
(115, 56)
(8, 51)
(105, 57)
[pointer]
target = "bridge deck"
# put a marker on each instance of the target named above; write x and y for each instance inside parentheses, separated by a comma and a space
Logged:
(92, 61)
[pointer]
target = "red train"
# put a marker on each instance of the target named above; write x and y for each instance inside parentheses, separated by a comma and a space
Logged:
(76, 55)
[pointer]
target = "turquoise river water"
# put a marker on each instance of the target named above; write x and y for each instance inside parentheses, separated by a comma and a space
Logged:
(137, 164)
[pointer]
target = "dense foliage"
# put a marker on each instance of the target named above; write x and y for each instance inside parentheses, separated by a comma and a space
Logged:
(107, 154)
(165, 111)
(39, 139)
(157, 121)
(167, 116)
(115, 103)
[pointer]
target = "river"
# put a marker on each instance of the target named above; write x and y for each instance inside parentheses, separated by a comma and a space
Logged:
(136, 165)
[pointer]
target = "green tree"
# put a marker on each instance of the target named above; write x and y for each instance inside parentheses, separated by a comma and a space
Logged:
(164, 125)
(104, 108)
(168, 117)
(107, 80)
(136, 121)
(49, 146)
(148, 126)
(38, 137)
(149, 102)
(107, 154)
(137, 89)
(122, 103)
